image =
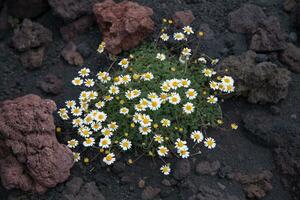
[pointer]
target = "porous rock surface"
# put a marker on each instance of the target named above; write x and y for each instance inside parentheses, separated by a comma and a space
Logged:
(31, 159)
(260, 83)
(28, 8)
(291, 57)
(124, 25)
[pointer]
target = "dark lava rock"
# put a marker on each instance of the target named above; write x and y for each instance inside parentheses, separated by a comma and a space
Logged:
(256, 186)
(4, 24)
(208, 168)
(183, 18)
(73, 186)
(297, 16)
(31, 159)
(28, 8)
(33, 59)
(89, 191)
(293, 37)
(208, 193)
(246, 18)
(150, 193)
(291, 57)
(70, 54)
(208, 33)
(261, 58)
(268, 36)
(51, 84)
(289, 5)
(124, 25)
(31, 35)
(261, 83)
(118, 167)
(70, 31)
(182, 169)
(72, 9)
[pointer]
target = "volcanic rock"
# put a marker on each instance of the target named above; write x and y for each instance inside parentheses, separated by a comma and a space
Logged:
(291, 57)
(28, 8)
(208, 168)
(268, 36)
(289, 5)
(246, 18)
(150, 192)
(183, 18)
(261, 83)
(208, 193)
(31, 35)
(124, 25)
(72, 30)
(51, 84)
(182, 169)
(256, 186)
(31, 159)
(33, 59)
(297, 16)
(70, 54)
(72, 9)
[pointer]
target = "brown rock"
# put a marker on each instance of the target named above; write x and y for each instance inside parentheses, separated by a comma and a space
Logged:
(4, 25)
(268, 36)
(70, 54)
(246, 18)
(208, 168)
(72, 30)
(150, 193)
(124, 25)
(297, 16)
(72, 9)
(51, 84)
(31, 35)
(33, 159)
(256, 186)
(28, 8)
(182, 169)
(289, 5)
(291, 57)
(33, 59)
(183, 18)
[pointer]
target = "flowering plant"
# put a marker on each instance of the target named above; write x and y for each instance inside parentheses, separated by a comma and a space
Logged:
(157, 104)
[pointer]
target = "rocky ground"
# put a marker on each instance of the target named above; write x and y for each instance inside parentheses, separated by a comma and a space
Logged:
(260, 160)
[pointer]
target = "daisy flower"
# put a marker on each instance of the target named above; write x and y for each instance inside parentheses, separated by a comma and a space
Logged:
(84, 132)
(124, 63)
(140, 107)
(89, 82)
(234, 126)
(88, 119)
(103, 77)
(202, 60)
(162, 151)
(174, 98)
(210, 143)
(165, 87)
(70, 104)
(165, 122)
(84, 72)
(184, 152)
(227, 80)
(100, 104)
(147, 76)
(144, 130)
(93, 95)
(76, 156)
(77, 122)
(145, 120)
(76, 111)
(101, 117)
(89, 142)
(106, 132)
(188, 30)
(186, 52)
(96, 126)
(124, 111)
(113, 126)
(188, 108)
(213, 85)
(179, 144)
(175, 83)
(125, 144)
(185, 83)
(161, 56)
(163, 96)
(101, 47)
(113, 90)
(158, 138)
(136, 93)
(179, 36)
(197, 136)
(212, 99)
(105, 142)
(154, 104)
(77, 81)
(208, 72)
(125, 79)
(191, 94)
(136, 117)
(165, 169)
(109, 158)
(229, 88)
(72, 143)
(164, 37)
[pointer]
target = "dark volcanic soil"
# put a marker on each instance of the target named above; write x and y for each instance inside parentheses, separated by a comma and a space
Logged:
(237, 151)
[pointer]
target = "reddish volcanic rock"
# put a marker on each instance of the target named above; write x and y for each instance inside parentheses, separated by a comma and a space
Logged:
(31, 158)
(183, 18)
(124, 25)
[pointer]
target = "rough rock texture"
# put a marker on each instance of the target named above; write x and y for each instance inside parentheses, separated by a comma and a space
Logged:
(297, 16)
(289, 5)
(51, 84)
(268, 36)
(291, 57)
(208, 193)
(70, 54)
(73, 29)
(30, 35)
(28, 8)
(124, 25)
(150, 192)
(208, 168)
(72, 9)
(183, 18)
(208, 33)
(261, 83)
(256, 186)
(31, 158)
(182, 169)
(33, 59)
(246, 18)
